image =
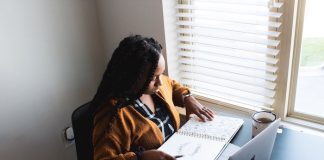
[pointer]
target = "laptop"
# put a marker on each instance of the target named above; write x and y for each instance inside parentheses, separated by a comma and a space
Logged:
(258, 148)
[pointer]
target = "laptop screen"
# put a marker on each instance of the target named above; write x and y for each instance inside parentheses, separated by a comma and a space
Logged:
(260, 147)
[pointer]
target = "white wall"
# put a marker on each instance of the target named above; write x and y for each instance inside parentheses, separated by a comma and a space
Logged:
(51, 61)
(171, 42)
(120, 18)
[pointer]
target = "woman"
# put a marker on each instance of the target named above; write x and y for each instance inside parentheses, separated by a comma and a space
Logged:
(134, 107)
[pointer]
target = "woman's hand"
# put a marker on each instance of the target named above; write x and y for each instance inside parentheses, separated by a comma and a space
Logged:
(156, 155)
(194, 107)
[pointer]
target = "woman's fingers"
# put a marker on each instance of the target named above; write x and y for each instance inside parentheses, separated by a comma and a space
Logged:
(168, 157)
(210, 113)
(206, 112)
(200, 115)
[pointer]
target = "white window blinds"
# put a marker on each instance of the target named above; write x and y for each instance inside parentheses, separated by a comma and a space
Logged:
(228, 49)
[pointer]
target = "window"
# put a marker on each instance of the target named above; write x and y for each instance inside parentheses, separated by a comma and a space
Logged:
(250, 54)
(228, 50)
(307, 95)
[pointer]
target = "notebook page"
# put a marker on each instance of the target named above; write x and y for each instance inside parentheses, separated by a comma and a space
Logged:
(221, 127)
(192, 148)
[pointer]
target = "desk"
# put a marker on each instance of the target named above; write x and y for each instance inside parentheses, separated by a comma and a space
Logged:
(289, 145)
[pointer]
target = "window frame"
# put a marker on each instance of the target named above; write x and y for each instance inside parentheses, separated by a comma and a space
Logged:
(295, 68)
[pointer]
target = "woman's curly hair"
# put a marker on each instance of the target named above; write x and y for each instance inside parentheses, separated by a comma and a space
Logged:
(134, 60)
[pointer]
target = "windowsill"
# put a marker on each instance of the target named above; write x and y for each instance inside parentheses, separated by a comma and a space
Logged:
(304, 126)
(288, 122)
(246, 108)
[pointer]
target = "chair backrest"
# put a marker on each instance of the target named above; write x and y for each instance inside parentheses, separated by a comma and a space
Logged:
(82, 123)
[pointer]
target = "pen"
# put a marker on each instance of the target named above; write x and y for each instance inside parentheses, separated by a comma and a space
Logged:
(178, 156)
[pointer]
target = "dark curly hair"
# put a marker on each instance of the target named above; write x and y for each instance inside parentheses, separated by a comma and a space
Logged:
(134, 60)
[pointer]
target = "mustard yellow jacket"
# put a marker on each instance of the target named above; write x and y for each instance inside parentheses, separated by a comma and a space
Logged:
(130, 129)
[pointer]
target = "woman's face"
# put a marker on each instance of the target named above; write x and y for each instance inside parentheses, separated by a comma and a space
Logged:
(156, 81)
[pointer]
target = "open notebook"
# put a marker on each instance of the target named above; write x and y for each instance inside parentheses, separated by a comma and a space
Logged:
(202, 140)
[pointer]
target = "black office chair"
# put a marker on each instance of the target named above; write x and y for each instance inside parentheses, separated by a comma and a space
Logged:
(82, 128)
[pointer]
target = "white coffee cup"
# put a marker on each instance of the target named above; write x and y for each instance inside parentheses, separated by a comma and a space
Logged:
(261, 120)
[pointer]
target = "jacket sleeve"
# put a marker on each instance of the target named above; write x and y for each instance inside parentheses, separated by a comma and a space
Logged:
(178, 91)
(107, 144)
(110, 149)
